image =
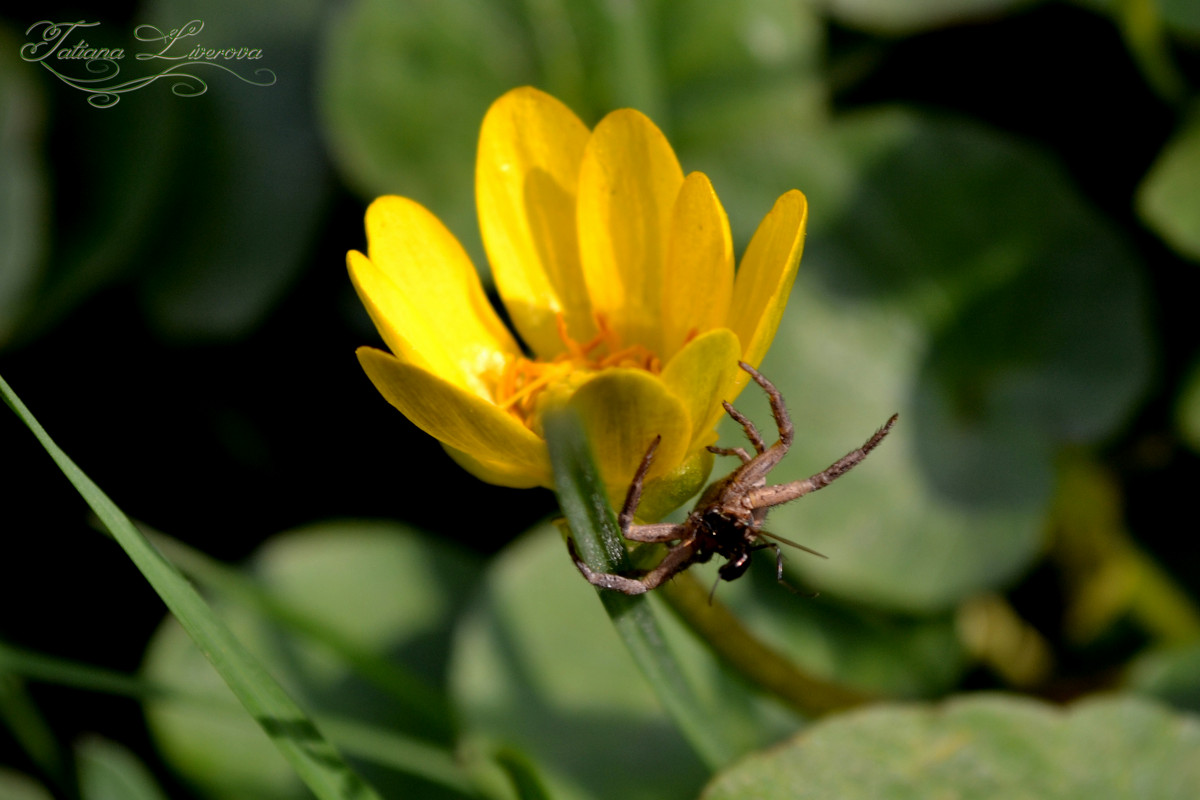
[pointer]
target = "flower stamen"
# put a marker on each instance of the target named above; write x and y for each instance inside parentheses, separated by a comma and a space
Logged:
(523, 379)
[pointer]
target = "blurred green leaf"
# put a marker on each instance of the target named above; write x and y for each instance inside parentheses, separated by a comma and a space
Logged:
(108, 771)
(15, 786)
(382, 587)
(403, 91)
(892, 539)
(538, 666)
(294, 734)
(888, 655)
(99, 240)
(405, 86)
(981, 747)
(1180, 16)
(593, 530)
(745, 82)
(1170, 674)
(24, 201)
(249, 184)
(1168, 198)
(20, 715)
(895, 19)
(1000, 328)
(1187, 408)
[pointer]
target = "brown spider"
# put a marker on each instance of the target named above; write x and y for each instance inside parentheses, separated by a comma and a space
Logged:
(727, 519)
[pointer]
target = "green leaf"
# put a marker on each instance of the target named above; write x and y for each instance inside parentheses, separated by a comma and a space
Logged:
(890, 655)
(108, 771)
(953, 275)
(1168, 198)
(1180, 16)
(295, 735)
(15, 786)
(1187, 408)
(405, 85)
(895, 19)
(892, 539)
(25, 723)
(250, 182)
(23, 188)
(355, 618)
(1170, 674)
(981, 747)
(215, 706)
(593, 527)
(539, 666)
(403, 90)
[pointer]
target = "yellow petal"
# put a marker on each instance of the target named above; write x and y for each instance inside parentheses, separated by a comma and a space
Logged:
(628, 183)
(701, 375)
(500, 474)
(526, 175)
(622, 410)
(457, 418)
(698, 279)
(425, 298)
(764, 279)
(665, 494)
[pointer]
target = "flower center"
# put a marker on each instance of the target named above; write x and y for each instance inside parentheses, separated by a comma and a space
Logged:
(523, 379)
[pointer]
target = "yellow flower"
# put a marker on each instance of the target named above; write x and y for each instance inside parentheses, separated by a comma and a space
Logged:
(617, 272)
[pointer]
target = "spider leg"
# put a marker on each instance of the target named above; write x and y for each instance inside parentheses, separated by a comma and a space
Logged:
(779, 563)
(751, 431)
(676, 560)
(731, 451)
(634, 495)
(782, 420)
(657, 532)
(767, 496)
(755, 471)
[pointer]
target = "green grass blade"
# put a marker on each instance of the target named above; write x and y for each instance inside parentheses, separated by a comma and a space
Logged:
(583, 500)
(363, 741)
(422, 699)
(26, 725)
(311, 755)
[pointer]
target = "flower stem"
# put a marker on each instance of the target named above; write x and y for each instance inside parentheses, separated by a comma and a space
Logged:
(716, 625)
(593, 525)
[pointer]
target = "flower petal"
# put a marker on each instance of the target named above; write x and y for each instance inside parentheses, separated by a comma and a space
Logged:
(628, 183)
(526, 174)
(457, 418)
(698, 278)
(622, 410)
(501, 474)
(425, 298)
(701, 375)
(764, 279)
(664, 494)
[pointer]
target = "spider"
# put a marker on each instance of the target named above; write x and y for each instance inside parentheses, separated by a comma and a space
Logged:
(727, 519)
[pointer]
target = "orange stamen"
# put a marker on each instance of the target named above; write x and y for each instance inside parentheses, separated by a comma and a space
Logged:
(523, 379)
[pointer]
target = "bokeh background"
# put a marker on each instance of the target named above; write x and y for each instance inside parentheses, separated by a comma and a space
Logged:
(1003, 247)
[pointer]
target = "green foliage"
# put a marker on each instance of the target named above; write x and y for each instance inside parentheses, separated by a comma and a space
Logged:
(981, 747)
(23, 189)
(1021, 295)
(297, 738)
(1169, 197)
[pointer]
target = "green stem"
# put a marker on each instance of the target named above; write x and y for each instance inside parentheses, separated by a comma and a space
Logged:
(583, 500)
(716, 625)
